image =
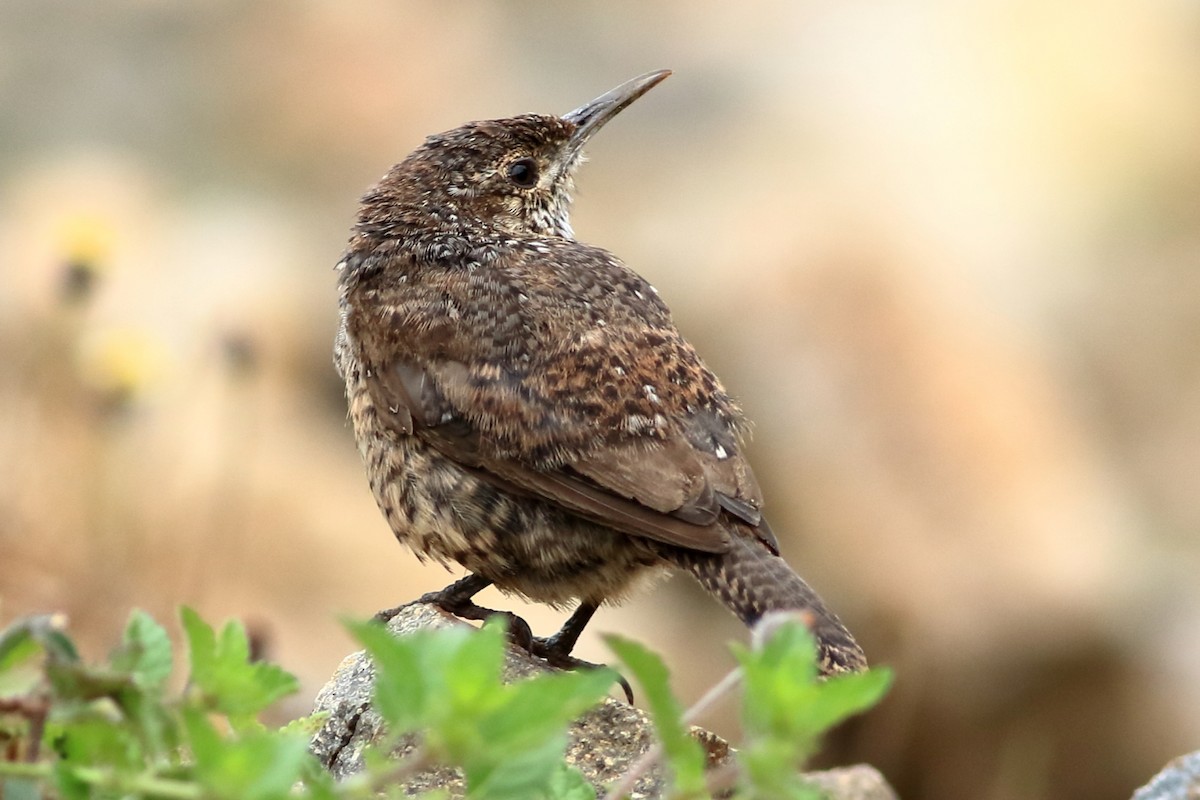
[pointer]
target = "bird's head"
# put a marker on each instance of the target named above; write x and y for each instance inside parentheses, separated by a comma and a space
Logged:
(510, 174)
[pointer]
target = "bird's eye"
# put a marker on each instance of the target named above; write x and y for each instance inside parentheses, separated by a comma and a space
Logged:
(523, 172)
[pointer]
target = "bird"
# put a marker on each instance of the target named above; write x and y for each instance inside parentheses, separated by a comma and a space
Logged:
(524, 404)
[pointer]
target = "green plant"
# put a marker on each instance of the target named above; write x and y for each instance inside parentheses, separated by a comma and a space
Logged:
(81, 730)
(786, 707)
(74, 730)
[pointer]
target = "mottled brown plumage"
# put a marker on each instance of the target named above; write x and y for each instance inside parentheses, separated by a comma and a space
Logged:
(524, 403)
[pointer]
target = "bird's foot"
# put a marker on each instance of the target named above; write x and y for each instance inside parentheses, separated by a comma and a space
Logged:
(556, 652)
(519, 632)
(457, 600)
(455, 596)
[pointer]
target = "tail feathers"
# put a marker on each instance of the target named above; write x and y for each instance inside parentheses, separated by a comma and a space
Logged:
(752, 582)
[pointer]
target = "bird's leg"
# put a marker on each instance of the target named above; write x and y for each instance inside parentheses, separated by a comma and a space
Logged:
(457, 599)
(556, 650)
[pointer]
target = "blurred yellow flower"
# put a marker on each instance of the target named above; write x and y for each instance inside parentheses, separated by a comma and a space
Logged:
(86, 242)
(122, 364)
(86, 238)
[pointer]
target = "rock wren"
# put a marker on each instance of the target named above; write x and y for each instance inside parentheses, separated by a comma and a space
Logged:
(524, 403)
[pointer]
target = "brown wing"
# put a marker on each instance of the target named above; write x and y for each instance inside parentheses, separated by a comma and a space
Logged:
(667, 489)
(555, 370)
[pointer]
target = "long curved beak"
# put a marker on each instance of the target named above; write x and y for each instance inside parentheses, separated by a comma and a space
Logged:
(591, 116)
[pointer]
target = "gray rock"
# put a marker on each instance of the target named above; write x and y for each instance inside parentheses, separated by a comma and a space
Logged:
(603, 744)
(860, 782)
(1179, 780)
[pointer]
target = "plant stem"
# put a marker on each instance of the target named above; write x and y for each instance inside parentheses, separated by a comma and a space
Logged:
(147, 785)
(651, 756)
(23, 769)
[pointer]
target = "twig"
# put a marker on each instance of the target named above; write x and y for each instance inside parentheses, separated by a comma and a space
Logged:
(652, 756)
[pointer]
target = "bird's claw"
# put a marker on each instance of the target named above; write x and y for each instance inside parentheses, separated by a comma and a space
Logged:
(550, 651)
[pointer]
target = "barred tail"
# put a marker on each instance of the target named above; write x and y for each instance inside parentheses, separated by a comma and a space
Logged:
(751, 582)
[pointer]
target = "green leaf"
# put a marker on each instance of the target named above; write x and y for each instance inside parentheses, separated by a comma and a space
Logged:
(441, 679)
(401, 689)
(223, 674)
(202, 737)
(84, 683)
(540, 707)
(20, 662)
(684, 754)
(126, 692)
(318, 781)
(471, 664)
(87, 741)
(17, 645)
(843, 696)
(771, 771)
(568, 783)
(254, 765)
(145, 651)
(524, 736)
(202, 642)
(508, 739)
(786, 708)
(22, 646)
(784, 697)
(520, 774)
(48, 630)
(69, 786)
(308, 725)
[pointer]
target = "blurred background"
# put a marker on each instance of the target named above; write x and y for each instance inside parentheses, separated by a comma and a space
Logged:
(946, 254)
